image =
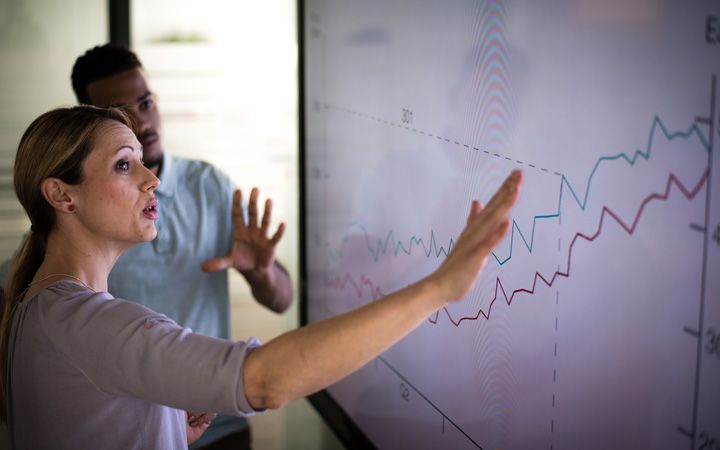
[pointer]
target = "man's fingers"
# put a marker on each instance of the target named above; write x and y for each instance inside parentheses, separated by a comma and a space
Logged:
(237, 212)
(216, 264)
(201, 419)
(252, 208)
(278, 234)
(266, 217)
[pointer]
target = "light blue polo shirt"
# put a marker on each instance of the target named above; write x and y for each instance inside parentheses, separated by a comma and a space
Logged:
(194, 224)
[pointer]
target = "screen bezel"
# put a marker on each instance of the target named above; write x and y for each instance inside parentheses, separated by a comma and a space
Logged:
(332, 413)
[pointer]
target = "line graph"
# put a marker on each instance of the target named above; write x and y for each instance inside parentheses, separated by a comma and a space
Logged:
(359, 286)
(366, 285)
(608, 259)
(689, 193)
(395, 246)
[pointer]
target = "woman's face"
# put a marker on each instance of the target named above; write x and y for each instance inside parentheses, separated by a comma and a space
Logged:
(116, 199)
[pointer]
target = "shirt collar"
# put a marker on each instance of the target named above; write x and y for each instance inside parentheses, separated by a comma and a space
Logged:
(168, 177)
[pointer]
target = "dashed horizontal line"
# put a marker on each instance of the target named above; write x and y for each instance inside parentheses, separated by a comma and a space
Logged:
(698, 227)
(692, 332)
(440, 138)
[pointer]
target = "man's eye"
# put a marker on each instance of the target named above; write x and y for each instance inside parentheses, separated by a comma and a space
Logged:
(122, 165)
(146, 104)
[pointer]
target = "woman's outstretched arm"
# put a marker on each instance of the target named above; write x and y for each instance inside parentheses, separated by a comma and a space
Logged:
(308, 359)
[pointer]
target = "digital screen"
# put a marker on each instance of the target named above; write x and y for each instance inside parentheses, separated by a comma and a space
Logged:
(596, 321)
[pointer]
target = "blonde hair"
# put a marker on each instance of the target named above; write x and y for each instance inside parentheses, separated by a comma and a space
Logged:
(54, 145)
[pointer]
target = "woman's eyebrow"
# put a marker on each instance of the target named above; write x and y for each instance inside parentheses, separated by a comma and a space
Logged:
(127, 146)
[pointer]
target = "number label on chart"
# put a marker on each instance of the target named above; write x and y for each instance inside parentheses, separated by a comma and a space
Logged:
(708, 442)
(404, 392)
(407, 116)
(712, 342)
(712, 30)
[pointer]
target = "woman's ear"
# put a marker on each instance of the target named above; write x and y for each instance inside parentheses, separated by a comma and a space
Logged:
(57, 193)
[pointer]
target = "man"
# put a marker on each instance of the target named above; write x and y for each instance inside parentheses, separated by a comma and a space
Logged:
(182, 271)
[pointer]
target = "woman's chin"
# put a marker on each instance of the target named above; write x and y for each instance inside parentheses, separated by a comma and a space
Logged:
(151, 235)
(148, 234)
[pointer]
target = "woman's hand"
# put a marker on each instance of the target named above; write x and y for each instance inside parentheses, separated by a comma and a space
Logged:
(305, 360)
(484, 230)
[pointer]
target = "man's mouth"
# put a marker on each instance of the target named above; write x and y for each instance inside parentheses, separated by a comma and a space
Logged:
(148, 139)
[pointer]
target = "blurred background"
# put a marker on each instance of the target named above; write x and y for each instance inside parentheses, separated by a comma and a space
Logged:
(225, 73)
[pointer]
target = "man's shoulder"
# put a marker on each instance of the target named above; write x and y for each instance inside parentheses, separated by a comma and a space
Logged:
(190, 166)
(196, 172)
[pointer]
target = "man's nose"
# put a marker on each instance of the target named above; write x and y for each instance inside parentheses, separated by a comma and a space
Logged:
(142, 121)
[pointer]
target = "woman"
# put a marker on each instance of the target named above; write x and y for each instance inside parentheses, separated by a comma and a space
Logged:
(85, 370)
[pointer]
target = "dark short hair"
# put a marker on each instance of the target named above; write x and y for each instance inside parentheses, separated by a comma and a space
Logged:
(100, 62)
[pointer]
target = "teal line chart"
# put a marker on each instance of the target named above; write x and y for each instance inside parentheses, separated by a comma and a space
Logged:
(396, 246)
(341, 282)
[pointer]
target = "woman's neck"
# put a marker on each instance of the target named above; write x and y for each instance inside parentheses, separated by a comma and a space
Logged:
(75, 259)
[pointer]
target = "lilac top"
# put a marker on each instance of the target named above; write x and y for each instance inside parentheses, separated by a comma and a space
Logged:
(91, 371)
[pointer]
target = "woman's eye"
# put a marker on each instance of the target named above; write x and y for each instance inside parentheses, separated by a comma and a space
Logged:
(122, 165)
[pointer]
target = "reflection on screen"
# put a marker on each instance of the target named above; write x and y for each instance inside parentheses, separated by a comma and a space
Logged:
(596, 322)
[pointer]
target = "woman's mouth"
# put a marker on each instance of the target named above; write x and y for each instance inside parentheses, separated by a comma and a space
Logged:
(151, 210)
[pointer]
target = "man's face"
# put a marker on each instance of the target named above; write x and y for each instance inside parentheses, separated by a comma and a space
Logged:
(129, 89)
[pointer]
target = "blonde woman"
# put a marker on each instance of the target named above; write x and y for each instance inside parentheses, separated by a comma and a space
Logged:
(86, 370)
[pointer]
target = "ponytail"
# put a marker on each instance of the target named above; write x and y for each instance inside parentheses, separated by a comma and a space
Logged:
(26, 263)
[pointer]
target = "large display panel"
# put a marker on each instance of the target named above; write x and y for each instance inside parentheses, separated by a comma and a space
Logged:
(596, 322)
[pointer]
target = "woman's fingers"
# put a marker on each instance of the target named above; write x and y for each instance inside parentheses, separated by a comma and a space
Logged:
(506, 196)
(482, 224)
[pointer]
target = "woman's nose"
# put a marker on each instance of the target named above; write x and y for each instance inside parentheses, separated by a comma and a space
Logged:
(151, 182)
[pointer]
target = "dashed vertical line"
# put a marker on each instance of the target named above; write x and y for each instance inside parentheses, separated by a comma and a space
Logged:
(555, 356)
(553, 411)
